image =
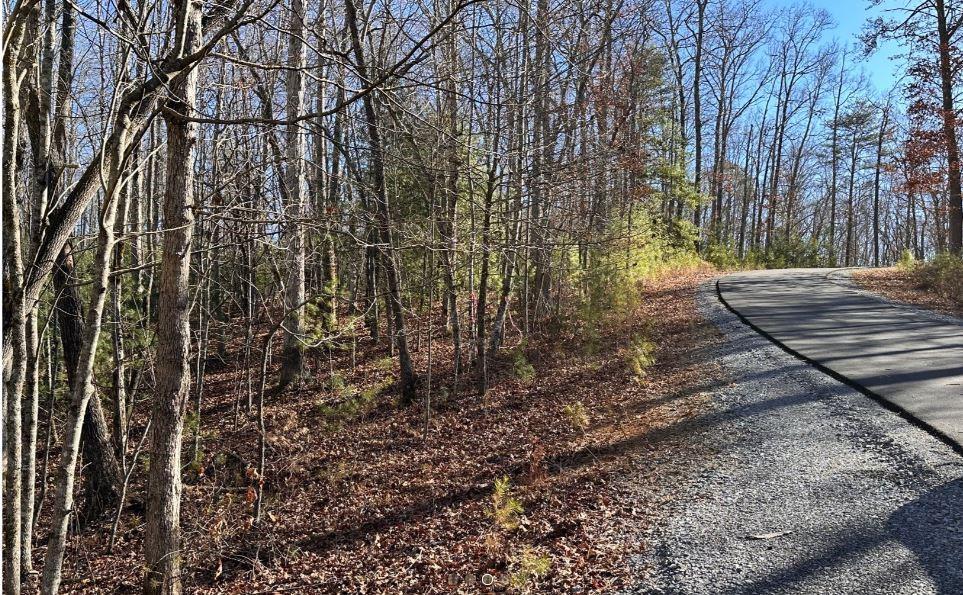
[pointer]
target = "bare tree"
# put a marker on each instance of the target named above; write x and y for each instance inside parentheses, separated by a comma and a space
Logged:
(294, 183)
(162, 538)
(383, 213)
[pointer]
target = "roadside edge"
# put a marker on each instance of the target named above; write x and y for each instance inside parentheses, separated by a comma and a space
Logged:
(887, 404)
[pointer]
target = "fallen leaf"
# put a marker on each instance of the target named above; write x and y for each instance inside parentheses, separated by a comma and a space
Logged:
(772, 535)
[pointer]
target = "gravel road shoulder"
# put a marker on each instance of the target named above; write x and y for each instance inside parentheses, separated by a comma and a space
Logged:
(810, 487)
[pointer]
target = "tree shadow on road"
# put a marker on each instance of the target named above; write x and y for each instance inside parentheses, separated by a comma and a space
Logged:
(932, 527)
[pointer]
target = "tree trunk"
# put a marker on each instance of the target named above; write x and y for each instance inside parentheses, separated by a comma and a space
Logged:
(833, 159)
(330, 281)
(850, 206)
(292, 360)
(697, 108)
(14, 310)
(876, 181)
(744, 212)
(83, 389)
(383, 215)
(538, 220)
(480, 345)
(14, 369)
(101, 471)
(447, 213)
(955, 206)
(162, 539)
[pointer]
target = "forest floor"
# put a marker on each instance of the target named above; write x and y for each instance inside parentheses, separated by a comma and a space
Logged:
(357, 499)
(903, 286)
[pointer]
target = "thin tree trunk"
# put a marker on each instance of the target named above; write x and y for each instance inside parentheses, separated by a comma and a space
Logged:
(83, 388)
(330, 281)
(14, 310)
(850, 207)
(383, 215)
(480, 345)
(876, 182)
(834, 167)
(745, 197)
(448, 212)
(292, 360)
(697, 107)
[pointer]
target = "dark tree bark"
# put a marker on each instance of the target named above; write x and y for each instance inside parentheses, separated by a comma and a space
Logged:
(955, 206)
(876, 183)
(701, 6)
(102, 475)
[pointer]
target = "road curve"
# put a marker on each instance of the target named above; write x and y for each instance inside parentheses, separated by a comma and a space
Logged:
(792, 482)
(909, 359)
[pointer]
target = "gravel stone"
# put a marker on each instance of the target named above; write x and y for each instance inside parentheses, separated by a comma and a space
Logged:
(871, 503)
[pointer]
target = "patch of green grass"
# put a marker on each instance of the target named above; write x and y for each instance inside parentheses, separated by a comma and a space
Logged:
(942, 275)
(353, 402)
(906, 260)
(337, 384)
(375, 390)
(191, 422)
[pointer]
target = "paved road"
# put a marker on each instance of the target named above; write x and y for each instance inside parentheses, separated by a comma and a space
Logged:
(799, 484)
(909, 358)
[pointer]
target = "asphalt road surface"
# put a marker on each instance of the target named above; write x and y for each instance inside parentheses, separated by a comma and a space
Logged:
(909, 358)
(799, 483)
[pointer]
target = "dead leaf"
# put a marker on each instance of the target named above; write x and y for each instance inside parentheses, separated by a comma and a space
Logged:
(772, 535)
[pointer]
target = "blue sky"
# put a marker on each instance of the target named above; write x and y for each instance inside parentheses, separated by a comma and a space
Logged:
(850, 15)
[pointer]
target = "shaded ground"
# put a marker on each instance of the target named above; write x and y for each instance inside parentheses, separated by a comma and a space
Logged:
(903, 286)
(813, 488)
(356, 500)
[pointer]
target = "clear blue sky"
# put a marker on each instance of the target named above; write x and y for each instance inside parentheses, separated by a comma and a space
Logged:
(850, 16)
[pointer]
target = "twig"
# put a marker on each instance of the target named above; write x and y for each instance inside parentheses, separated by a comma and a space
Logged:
(123, 491)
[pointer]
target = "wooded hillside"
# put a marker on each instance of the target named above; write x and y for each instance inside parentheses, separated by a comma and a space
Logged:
(218, 214)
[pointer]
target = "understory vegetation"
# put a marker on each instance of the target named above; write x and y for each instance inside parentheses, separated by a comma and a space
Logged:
(943, 275)
(360, 494)
(936, 284)
(374, 295)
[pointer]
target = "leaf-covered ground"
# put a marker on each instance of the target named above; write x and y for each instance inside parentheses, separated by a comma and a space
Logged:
(356, 499)
(904, 286)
